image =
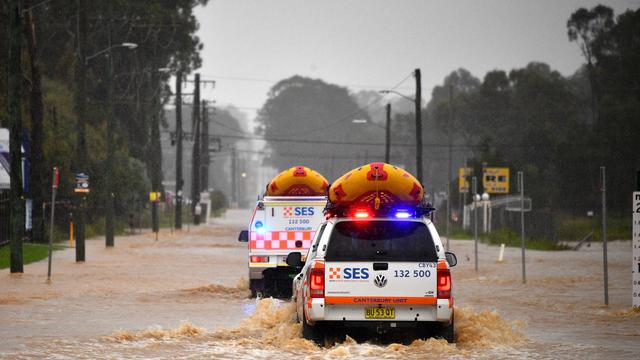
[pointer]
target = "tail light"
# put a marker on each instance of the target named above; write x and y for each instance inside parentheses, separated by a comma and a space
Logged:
(444, 284)
(316, 280)
(259, 259)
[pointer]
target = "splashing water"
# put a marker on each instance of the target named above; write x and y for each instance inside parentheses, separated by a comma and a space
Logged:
(185, 330)
(273, 329)
(241, 290)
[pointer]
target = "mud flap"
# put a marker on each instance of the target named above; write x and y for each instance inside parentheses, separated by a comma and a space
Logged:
(277, 282)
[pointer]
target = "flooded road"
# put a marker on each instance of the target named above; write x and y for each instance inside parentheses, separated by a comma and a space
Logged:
(186, 296)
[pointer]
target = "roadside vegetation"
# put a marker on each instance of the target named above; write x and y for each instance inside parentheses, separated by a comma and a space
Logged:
(30, 252)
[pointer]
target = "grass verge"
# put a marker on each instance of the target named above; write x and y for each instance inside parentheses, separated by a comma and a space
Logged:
(30, 253)
(512, 239)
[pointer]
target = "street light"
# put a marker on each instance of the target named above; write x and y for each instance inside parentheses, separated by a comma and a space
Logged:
(110, 206)
(127, 45)
(387, 129)
(418, 114)
(397, 93)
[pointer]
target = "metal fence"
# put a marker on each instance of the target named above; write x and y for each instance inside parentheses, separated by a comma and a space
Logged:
(4, 217)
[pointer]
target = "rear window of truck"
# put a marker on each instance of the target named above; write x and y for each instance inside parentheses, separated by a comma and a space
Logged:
(381, 241)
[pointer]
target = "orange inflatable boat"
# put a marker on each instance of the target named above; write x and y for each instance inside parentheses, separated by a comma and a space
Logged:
(376, 184)
(298, 181)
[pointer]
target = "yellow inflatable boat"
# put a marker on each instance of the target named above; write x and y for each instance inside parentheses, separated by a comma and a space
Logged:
(298, 181)
(376, 184)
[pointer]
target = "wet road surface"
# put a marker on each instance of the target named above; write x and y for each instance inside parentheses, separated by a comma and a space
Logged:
(186, 296)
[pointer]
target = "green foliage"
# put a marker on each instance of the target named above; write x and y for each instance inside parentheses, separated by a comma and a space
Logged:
(30, 253)
(306, 110)
(460, 234)
(219, 203)
(512, 239)
(575, 229)
(164, 32)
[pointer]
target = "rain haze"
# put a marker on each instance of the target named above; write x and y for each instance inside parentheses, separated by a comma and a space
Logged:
(373, 44)
(319, 179)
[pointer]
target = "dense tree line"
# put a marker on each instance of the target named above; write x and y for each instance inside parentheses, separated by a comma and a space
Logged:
(127, 85)
(558, 130)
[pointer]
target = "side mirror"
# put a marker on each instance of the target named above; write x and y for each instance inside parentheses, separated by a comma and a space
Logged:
(451, 258)
(243, 236)
(294, 259)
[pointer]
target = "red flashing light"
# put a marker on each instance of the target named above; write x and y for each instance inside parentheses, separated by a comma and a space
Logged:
(444, 284)
(361, 213)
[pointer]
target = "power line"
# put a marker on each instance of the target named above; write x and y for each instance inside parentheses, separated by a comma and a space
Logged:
(271, 81)
(349, 116)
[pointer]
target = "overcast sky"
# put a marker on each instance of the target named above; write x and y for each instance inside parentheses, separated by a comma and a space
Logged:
(373, 44)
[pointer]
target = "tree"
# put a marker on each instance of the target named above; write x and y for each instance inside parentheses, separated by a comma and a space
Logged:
(586, 27)
(310, 122)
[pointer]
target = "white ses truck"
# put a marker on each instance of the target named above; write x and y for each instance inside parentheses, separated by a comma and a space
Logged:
(383, 270)
(279, 225)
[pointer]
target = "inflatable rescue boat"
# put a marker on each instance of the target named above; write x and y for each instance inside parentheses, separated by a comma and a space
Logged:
(376, 185)
(298, 181)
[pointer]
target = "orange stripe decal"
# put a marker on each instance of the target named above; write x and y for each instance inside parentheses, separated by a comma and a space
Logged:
(358, 300)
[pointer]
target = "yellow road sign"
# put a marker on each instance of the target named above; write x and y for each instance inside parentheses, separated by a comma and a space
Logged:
(154, 196)
(463, 178)
(495, 180)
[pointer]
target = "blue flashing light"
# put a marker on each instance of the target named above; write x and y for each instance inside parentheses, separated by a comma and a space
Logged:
(260, 227)
(403, 214)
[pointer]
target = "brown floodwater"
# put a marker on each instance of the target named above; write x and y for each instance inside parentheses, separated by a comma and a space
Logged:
(186, 296)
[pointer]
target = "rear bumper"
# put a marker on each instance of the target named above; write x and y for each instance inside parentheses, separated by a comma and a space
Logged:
(441, 312)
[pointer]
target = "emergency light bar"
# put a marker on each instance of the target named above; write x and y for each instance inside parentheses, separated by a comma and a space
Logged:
(365, 212)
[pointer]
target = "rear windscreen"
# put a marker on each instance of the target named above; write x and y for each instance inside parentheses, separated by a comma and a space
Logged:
(381, 241)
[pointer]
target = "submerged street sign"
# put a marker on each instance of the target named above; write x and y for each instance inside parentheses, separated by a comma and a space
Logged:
(495, 180)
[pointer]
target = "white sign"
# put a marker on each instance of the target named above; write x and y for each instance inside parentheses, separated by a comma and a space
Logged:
(635, 271)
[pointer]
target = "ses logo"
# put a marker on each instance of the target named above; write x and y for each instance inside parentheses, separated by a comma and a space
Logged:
(290, 211)
(348, 273)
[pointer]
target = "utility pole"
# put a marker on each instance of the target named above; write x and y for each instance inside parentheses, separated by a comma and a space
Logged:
(37, 166)
(604, 234)
(387, 145)
(155, 152)
(80, 106)
(449, 168)
(111, 149)
(418, 100)
(234, 178)
(204, 149)
(15, 119)
(179, 181)
(195, 157)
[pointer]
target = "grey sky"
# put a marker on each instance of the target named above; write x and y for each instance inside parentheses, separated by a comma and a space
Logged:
(376, 43)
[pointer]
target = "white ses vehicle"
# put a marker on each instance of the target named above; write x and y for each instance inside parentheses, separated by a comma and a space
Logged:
(384, 273)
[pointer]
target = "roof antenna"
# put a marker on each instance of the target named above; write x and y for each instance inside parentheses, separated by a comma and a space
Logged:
(377, 200)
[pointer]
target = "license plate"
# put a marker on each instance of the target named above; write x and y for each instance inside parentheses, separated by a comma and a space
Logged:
(379, 313)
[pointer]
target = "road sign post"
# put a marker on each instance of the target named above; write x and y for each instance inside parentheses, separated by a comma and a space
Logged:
(475, 195)
(604, 235)
(521, 189)
(54, 190)
(635, 266)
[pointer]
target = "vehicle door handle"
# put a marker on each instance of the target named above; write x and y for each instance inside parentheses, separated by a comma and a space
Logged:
(380, 266)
